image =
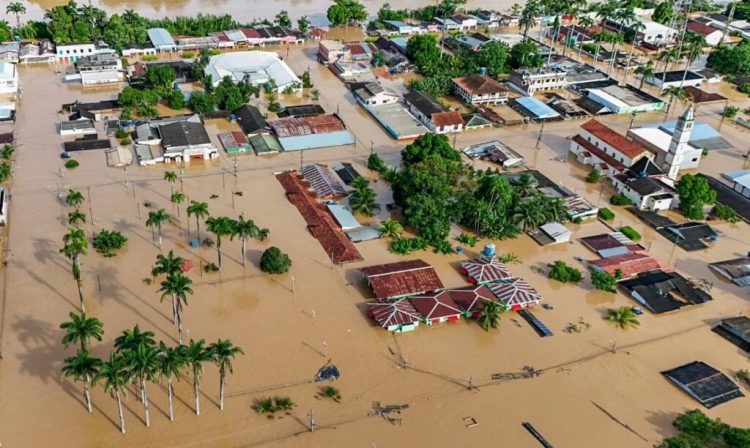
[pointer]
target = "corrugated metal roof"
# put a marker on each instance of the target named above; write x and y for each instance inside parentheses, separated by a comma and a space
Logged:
(314, 141)
(160, 37)
(402, 278)
(343, 216)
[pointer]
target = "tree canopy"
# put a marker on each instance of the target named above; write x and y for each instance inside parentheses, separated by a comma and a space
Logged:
(694, 193)
(731, 60)
(344, 12)
(525, 54)
(663, 13)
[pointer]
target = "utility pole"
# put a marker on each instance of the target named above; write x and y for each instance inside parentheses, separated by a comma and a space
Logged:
(311, 421)
(726, 24)
(539, 138)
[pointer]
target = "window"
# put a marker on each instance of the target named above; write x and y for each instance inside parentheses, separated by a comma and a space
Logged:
(695, 159)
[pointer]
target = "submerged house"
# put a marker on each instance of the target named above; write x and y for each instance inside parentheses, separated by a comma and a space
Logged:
(516, 294)
(401, 279)
(704, 383)
(737, 270)
(662, 292)
(483, 269)
(736, 330)
(436, 307)
(398, 315)
(434, 116)
(472, 299)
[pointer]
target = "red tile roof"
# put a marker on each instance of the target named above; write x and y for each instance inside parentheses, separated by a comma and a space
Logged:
(447, 119)
(471, 299)
(251, 33)
(701, 28)
(516, 293)
(630, 264)
(477, 84)
(402, 278)
(609, 136)
(609, 160)
(393, 312)
(435, 305)
(317, 32)
(322, 226)
(701, 96)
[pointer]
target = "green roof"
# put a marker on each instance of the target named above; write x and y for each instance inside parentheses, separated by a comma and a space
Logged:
(265, 143)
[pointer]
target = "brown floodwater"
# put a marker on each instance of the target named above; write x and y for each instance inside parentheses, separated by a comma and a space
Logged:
(290, 325)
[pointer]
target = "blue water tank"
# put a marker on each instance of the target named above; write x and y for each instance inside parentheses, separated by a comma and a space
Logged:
(482, 70)
(459, 249)
(193, 243)
(175, 85)
(489, 249)
(232, 117)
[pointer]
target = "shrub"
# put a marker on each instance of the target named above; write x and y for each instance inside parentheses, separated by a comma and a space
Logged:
(725, 213)
(376, 163)
(603, 281)
(121, 133)
(593, 176)
(745, 111)
(210, 267)
(106, 241)
(150, 57)
(213, 51)
(563, 273)
(187, 54)
(606, 214)
(125, 141)
(620, 199)
(469, 240)
(730, 111)
(274, 261)
(332, 393)
(630, 233)
(404, 246)
(71, 163)
(508, 257)
(442, 247)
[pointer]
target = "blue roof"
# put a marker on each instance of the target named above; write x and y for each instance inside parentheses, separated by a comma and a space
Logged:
(400, 41)
(701, 130)
(397, 23)
(313, 141)
(343, 216)
(160, 37)
(363, 234)
(537, 107)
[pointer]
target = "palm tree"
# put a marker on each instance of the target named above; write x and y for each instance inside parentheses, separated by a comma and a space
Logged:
(623, 317)
(166, 265)
(363, 201)
(525, 184)
(16, 8)
(529, 214)
(196, 354)
(171, 363)
(244, 230)
(554, 209)
(5, 171)
(75, 245)
(489, 316)
(82, 367)
(7, 152)
(222, 353)
(115, 378)
(667, 55)
(692, 45)
(391, 228)
(155, 218)
(80, 329)
(178, 287)
(75, 217)
(142, 365)
(646, 71)
(74, 198)
(586, 22)
(130, 339)
(528, 16)
(220, 226)
(674, 92)
(634, 28)
(200, 211)
(171, 178)
(177, 198)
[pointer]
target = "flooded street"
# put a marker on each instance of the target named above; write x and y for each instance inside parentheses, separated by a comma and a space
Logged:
(288, 332)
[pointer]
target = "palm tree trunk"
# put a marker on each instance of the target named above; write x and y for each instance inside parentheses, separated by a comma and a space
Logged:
(87, 394)
(198, 226)
(170, 394)
(174, 309)
(179, 322)
(159, 228)
(222, 374)
(218, 248)
(145, 402)
(80, 293)
(243, 252)
(643, 78)
(195, 393)
(119, 410)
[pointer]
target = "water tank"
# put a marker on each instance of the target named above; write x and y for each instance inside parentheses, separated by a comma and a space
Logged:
(482, 70)
(489, 249)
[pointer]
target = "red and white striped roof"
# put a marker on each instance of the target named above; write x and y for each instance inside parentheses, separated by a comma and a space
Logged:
(394, 312)
(472, 298)
(435, 305)
(484, 270)
(515, 292)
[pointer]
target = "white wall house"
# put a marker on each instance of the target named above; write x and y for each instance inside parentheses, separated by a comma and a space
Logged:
(646, 193)
(374, 94)
(8, 78)
(72, 52)
(597, 144)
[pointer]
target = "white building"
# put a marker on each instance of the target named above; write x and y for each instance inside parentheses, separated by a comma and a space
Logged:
(480, 89)
(647, 192)
(161, 40)
(531, 81)
(712, 34)
(72, 52)
(740, 181)
(653, 33)
(8, 78)
(374, 94)
(434, 116)
(260, 67)
(77, 127)
(603, 148)
(100, 68)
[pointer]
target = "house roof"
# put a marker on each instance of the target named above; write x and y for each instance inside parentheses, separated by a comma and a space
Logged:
(608, 159)
(737, 270)
(608, 241)
(701, 96)
(485, 269)
(606, 134)
(477, 84)
(321, 180)
(741, 177)
(631, 263)
(424, 103)
(346, 172)
(307, 125)
(690, 231)
(452, 118)
(251, 120)
(301, 110)
(704, 383)
(645, 166)
(645, 186)
(233, 140)
(265, 143)
(393, 312)
(183, 133)
(700, 28)
(435, 305)
(472, 298)
(317, 31)
(515, 292)
(160, 37)
(736, 330)
(663, 291)
(402, 278)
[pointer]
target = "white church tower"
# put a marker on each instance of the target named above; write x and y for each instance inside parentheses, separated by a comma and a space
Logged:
(678, 147)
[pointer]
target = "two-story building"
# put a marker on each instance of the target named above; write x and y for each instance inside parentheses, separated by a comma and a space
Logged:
(72, 52)
(373, 94)
(603, 148)
(8, 78)
(434, 116)
(330, 51)
(531, 81)
(102, 68)
(480, 89)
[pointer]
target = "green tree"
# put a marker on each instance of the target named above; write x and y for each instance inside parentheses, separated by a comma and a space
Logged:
(525, 55)
(428, 145)
(603, 281)
(623, 317)
(222, 353)
(363, 200)
(80, 329)
(345, 12)
(165, 265)
(663, 13)
(529, 15)
(108, 240)
(143, 364)
(422, 50)
(493, 57)
(177, 198)
(175, 99)
(196, 354)
(390, 228)
(306, 81)
(131, 339)
(177, 286)
(74, 198)
(171, 362)
(75, 245)
(593, 176)
(489, 315)
(5, 33)
(694, 193)
(723, 212)
(17, 9)
(114, 374)
(76, 217)
(201, 102)
(303, 24)
(282, 19)
(692, 45)
(274, 261)
(674, 92)
(646, 71)
(200, 211)
(563, 273)
(82, 367)
(7, 151)
(155, 219)
(376, 163)
(160, 78)
(219, 226)
(244, 230)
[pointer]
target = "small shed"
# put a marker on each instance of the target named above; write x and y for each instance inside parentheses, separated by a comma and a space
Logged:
(485, 269)
(551, 233)
(736, 330)
(516, 294)
(265, 144)
(471, 299)
(704, 383)
(394, 315)
(436, 307)
(737, 270)
(363, 234)
(234, 142)
(343, 216)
